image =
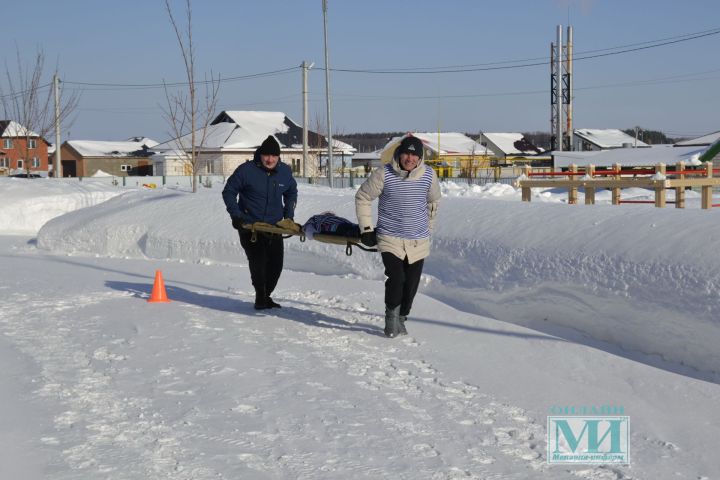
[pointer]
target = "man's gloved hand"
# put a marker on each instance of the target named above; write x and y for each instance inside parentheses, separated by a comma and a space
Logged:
(237, 222)
(369, 238)
(289, 224)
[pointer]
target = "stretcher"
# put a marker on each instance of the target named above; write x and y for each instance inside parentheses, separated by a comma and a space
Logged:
(348, 241)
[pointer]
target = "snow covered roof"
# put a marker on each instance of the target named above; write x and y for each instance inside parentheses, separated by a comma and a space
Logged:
(98, 148)
(11, 128)
(143, 140)
(708, 139)
(246, 130)
(509, 144)
(450, 143)
(650, 156)
(374, 155)
(608, 138)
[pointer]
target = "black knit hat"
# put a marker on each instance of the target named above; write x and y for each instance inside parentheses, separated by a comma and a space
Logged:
(412, 145)
(270, 147)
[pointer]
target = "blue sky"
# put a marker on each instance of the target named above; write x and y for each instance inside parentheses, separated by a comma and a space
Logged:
(673, 88)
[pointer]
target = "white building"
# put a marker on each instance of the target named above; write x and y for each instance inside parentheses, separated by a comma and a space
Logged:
(585, 139)
(232, 138)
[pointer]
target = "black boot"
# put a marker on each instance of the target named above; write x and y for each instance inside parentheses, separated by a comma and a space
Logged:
(392, 322)
(261, 302)
(402, 330)
(272, 303)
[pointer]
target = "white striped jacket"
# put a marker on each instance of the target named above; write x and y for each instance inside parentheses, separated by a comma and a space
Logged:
(399, 229)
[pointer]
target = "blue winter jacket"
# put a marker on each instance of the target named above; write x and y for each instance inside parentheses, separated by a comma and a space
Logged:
(255, 194)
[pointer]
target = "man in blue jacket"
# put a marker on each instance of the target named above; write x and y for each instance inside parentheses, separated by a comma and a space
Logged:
(262, 190)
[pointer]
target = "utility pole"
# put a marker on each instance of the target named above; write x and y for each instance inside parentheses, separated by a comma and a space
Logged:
(327, 96)
(57, 163)
(305, 69)
(558, 84)
(567, 81)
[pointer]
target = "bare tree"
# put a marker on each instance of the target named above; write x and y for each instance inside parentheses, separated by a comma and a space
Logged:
(184, 109)
(29, 102)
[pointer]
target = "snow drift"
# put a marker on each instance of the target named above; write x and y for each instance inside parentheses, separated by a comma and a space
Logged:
(641, 278)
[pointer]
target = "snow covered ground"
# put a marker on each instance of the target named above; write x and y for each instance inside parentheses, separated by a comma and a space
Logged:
(524, 309)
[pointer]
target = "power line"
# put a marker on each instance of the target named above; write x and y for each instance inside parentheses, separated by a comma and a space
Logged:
(141, 86)
(533, 61)
(24, 92)
(650, 81)
(499, 65)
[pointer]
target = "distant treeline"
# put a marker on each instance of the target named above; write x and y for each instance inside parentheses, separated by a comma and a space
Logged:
(651, 137)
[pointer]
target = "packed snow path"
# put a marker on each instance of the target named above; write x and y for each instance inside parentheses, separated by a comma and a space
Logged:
(205, 387)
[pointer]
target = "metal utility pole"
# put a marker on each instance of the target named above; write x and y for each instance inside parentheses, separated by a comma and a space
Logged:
(567, 82)
(57, 163)
(553, 99)
(305, 69)
(558, 85)
(327, 95)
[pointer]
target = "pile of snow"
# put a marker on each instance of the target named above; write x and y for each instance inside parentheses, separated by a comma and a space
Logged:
(27, 204)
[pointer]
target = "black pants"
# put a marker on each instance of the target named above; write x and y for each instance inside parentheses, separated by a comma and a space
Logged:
(265, 257)
(402, 282)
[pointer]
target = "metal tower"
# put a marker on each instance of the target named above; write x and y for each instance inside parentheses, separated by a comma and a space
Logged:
(561, 94)
(567, 66)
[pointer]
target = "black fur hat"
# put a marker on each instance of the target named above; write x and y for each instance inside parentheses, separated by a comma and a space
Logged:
(270, 147)
(410, 144)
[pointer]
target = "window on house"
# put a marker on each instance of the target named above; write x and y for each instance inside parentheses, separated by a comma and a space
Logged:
(36, 162)
(123, 168)
(4, 163)
(32, 143)
(20, 164)
(7, 143)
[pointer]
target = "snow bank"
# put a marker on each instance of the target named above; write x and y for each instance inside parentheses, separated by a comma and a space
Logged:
(27, 204)
(641, 278)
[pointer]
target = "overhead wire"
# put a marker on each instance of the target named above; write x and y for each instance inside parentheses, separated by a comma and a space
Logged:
(534, 61)
(651, 81)
(499, 65)
(142, 86)
(18, 94)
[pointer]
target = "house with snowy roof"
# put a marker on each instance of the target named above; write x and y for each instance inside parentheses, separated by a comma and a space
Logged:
(21, 150)
(585, 139)
(692, 152)
(450, 154)
(232, 138)
(509, 147)
(85, 158)
(631, 157)
(711, 141)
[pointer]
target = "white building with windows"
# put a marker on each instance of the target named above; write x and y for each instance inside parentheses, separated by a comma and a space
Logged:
(232, 138)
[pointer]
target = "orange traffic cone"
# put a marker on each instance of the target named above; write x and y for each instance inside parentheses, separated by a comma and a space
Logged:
(158, 294)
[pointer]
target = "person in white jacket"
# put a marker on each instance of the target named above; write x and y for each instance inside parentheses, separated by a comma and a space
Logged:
(408, 193)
